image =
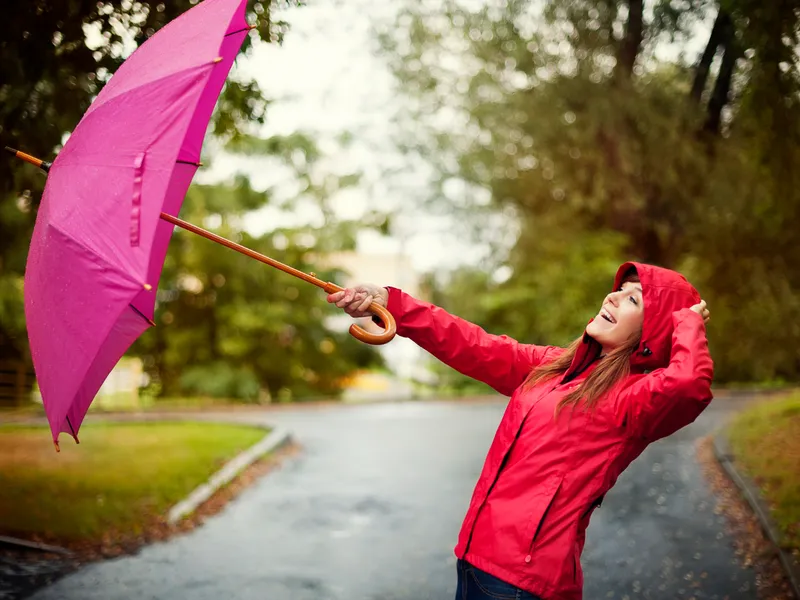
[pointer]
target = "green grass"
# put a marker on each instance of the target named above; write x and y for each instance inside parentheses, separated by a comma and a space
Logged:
(766, 442)
(195, 403)
(120, 478)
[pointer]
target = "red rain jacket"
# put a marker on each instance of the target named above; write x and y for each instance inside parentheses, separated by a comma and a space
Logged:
(543, 476)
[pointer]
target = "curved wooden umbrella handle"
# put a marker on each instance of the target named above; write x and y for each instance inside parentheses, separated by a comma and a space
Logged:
(389, 327)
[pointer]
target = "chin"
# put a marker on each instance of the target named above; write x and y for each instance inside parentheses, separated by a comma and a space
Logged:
(600, 335)
(594, 331)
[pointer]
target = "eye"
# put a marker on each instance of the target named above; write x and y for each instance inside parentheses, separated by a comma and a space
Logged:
(632, 299)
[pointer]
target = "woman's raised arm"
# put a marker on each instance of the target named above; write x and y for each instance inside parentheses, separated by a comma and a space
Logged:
(496, 360)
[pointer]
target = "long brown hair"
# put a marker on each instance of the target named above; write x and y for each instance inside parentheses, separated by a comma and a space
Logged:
(613, 367)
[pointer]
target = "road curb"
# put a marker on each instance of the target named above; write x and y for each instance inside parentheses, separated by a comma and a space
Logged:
(752, 495)
(275, 439)
(19, 543)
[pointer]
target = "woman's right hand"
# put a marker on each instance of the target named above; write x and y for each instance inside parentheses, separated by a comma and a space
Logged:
(702, 310)
(356, 300)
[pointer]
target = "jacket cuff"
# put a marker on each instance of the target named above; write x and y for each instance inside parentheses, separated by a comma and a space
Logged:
(392, 305)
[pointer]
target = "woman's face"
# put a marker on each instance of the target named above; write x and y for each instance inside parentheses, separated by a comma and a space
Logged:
(620, 317)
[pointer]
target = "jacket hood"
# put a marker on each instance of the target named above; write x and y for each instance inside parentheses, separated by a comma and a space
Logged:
(663, 292)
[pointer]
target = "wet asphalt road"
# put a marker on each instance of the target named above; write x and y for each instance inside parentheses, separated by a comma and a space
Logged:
(371, 507)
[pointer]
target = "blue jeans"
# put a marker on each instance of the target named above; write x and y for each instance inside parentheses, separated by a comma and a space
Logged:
(474, 584)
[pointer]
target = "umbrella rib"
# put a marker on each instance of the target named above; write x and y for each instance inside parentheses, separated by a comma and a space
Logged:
(138, 312)
(72, 429)
(248, 28)
(189, 162)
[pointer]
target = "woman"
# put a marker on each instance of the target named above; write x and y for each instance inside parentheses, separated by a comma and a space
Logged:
(577, 418)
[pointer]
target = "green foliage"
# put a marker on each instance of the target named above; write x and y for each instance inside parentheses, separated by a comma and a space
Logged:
(296, 148)
(589, 166)
(12, 316)
(220, 380)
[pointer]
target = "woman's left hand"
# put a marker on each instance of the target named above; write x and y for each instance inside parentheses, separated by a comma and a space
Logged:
(701, 310)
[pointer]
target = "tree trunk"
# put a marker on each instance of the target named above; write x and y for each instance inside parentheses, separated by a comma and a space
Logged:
(213, 329)
(631, 43)
(722, 87)
(160, 366)
(718, 33)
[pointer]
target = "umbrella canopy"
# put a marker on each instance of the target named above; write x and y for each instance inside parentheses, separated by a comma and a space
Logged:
(99, 242)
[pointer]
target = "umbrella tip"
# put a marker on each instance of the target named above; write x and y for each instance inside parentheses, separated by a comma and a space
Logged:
(55, 443)
(218, 59)
(75, 436)
(148, 287)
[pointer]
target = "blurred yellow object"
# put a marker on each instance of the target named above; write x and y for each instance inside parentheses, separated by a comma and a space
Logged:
(369, 382)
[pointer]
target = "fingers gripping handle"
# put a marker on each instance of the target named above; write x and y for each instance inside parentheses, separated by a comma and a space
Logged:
(361, 334)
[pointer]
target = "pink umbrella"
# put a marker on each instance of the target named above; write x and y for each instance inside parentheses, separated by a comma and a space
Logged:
(107, 214)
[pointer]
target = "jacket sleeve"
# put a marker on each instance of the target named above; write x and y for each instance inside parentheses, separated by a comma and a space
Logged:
(498, 361)
(670, 398)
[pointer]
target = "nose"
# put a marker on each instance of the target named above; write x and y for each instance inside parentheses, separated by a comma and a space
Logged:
(613, 298)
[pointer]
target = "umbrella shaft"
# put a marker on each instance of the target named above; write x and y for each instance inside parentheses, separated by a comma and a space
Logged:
(37, 162)
(327, 286)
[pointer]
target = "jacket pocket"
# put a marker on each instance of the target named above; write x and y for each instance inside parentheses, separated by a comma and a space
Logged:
(540, 509)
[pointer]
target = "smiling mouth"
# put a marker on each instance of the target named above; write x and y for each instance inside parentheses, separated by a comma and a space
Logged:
(607, 316)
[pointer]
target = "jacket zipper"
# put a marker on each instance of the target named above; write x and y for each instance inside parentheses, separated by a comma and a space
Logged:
(563, 381)
(500, 470)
